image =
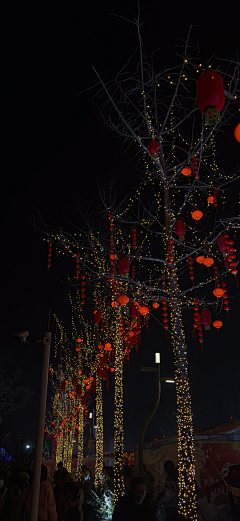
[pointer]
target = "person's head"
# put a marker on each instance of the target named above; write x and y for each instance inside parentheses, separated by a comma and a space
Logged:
(60, 465)
(43, 473)
(169, 468)
(84, 468)
(138, 489)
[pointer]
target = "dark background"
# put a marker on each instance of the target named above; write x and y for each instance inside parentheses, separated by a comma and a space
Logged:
(56, 150)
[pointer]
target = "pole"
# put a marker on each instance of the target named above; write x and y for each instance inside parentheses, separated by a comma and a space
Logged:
(93, 434)
(40, 431)
(151, 414)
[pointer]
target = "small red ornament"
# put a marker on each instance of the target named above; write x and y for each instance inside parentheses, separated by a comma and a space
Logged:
(180, 229)
(210, 96)
(153, 148)
(49, 260)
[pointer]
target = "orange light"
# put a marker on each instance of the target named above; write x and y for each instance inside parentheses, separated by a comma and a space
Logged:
(130, 333)
(96, 310)
(217, 324)
(186, 171)
(88, 386)
(108, 346)
(123, 300)
(143, 310)
(237, 132)
(101, 355)
(197, 215)
(91, 378)
(112, 369)
(211, 199)
(79, 340)
(113, 257)
(114, 304)
(85, 380)
(218, 292)
(200, 259)
(77, 348)
(208, 261)
(100, 346)
(155, 305)
(79, 372)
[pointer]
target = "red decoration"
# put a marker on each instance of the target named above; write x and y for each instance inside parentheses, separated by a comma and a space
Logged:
(97, 316)
(206, 318)
(186, 171)
(195, 167)
(200, 259)
(82, 300)
(77, 267)
(218, 292)
(210, 199)
(144, 310)
(123, 300)
(124, 267)
(114, 304)
(180, 229)
(221, 243)
(155, 305)
(197, 215)
(132, 310)
(237, 132)
(191, 269)
(208, 261)
(227, 264)
(153, 148)
(210, 96)
(49, 260)
(217, 324)
(134, 239)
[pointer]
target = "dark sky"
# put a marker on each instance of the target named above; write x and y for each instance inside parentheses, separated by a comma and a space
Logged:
(55, 146)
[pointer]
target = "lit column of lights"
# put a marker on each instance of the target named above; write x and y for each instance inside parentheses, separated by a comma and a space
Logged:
(99, 433)
(80, 440)
(118, 415)
(186, 463)
(59, 450)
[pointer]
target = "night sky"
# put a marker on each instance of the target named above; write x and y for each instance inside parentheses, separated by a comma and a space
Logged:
(56, 151)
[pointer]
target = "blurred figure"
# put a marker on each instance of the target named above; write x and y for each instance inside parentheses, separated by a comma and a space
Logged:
(234, 490)
(60, 477)
(47, 505)
(3, 495)
(17, 484)
(169, 497)
(71, 502)
(134, 506)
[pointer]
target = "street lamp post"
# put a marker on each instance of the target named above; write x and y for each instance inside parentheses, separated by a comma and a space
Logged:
(155, 370)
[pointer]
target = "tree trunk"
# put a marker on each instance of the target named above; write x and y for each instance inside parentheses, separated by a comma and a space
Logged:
(118, 417)
(186, 463)
(99, 434)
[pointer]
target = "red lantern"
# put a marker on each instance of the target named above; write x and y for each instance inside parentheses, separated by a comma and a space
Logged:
(210, 96)
(49, 260)
(227, 264)
(217, 324)
(221, 243)
(218, 292)
(237, 132)
(155, 305)
(123, 300)
(211, 199)
(197, 215)
(114, 304)
(153, 148)
(144, 310)
(208, 261)
(200, 259)
(132, 310)
(180, 229)
(97, 317)
(186, 171)
(206, 318)
(124, 267)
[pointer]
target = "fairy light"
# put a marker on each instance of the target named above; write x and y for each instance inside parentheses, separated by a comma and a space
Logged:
(99, 433)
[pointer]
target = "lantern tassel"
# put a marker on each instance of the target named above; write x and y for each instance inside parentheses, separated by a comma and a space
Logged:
(228, 316)
(237, 283)
(166, 334)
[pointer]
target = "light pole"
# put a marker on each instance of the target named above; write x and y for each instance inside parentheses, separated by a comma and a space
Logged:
(155, 370)
(22, 335)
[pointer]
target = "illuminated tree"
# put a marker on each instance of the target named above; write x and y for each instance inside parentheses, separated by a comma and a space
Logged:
(174, 220)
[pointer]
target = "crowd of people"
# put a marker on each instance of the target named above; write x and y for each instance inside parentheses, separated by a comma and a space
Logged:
(63, 498)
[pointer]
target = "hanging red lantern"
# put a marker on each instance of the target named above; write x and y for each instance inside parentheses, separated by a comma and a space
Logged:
(206, 318)
(123, 300)
(124, 267)
(208, 261)
(217, 324)
(221, 243)
(210, 199)
(195, 167)
(153, 148)
(237, 132)
(97, 316)
(144, 310)
(132, 310)
(191, 269)
(200, 259)
(218, 292)
(114, 304)
(108, 347)
(186, 171)
(155, 305)
(210, 96)
(197, 215)
(180, 229)
(77, 267)
(134, 239)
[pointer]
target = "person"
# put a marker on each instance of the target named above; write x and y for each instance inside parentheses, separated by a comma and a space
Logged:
(60, 477)
(3, 495)
(169, 497)
(234, 489)
(134, 506)
(47, 505)
(18, 481)
(71, 503)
